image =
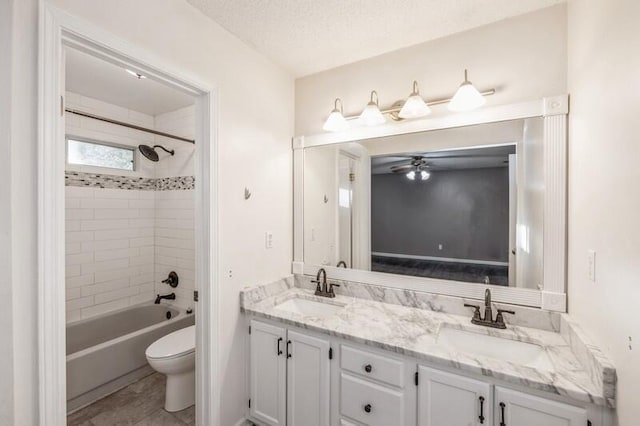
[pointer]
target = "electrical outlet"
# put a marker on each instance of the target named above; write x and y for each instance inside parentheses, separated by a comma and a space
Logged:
(268, 239)
(591, 264)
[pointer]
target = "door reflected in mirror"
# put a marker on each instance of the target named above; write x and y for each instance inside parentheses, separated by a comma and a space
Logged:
(462, 204)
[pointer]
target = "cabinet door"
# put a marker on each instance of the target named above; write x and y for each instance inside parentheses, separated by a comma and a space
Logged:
(514, 408)
(307, 380)
(268, 373)
(446, 399)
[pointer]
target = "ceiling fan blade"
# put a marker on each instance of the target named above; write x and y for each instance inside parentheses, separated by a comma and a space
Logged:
(402, 169)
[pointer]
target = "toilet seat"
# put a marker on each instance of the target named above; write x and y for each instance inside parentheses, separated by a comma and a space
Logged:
(174, 345)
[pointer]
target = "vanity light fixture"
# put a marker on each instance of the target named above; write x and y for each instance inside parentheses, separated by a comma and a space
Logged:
(467, 97)
(414, 106)
(135, 74)
(336, 121)
(371, 115)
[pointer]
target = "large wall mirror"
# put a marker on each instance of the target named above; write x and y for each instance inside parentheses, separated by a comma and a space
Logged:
(448, 210)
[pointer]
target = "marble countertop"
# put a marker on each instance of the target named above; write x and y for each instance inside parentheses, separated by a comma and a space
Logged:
(413, 332)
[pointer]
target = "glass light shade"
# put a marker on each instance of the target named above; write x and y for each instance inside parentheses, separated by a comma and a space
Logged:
(424, 175)
(335, 122)
(414, 107)
(371, 115)
(411, 175)
(466, 98)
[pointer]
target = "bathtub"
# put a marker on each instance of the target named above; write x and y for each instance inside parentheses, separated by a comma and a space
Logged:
(107, 352)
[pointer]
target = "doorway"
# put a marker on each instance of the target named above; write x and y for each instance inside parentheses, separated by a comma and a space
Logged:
(60, 31)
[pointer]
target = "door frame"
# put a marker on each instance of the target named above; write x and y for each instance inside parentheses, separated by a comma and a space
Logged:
(58, 29)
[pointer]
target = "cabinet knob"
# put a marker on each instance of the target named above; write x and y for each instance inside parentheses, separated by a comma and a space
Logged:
(367, 408)
(368, 368)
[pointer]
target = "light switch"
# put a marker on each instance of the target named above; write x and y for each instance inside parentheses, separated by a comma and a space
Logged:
(591, 264)
(439, 246)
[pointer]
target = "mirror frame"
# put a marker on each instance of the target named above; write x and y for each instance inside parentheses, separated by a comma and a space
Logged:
(552, 296)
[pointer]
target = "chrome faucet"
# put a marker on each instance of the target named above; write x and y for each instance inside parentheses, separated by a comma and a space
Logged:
(488, 321)
(322, 288)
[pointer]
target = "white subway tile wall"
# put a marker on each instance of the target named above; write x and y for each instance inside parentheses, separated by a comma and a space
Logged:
(121, 243)
(104, 270)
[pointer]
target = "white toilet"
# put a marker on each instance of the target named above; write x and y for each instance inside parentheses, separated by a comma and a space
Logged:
(175, 356)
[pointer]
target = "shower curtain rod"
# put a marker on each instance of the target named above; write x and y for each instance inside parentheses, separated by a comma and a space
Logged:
(131, 126)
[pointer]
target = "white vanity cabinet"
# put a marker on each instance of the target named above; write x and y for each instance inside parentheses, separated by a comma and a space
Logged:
(268, 373)
(301, 378)
(289, 377)
(513, 408)
(446, 399)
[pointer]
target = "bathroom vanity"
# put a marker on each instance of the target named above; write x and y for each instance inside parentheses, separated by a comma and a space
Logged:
(415, 220)
(375, 361)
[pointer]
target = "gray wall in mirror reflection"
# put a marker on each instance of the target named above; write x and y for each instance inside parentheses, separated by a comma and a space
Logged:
(467, 211)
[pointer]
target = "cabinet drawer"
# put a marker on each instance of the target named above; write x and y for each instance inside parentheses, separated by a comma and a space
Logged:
(370, 365)
(369, 403)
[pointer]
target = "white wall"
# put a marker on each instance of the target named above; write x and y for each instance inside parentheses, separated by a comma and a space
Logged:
(255, 130)
(604, 65)
(523, 58)
(18, 230)
(6, 293)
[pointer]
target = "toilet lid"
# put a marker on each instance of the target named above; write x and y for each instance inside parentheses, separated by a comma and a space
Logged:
(180, 342)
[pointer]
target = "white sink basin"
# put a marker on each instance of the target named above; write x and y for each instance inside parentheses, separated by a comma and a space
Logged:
(308, 307)
(523, 353)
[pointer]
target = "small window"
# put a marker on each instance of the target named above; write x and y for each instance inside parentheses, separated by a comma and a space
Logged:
(90, 153)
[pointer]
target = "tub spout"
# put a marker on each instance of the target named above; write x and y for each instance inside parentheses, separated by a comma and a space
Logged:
(171, 296)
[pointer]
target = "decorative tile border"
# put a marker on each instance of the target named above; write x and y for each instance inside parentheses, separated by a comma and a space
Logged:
(97, 180)
(174, 183)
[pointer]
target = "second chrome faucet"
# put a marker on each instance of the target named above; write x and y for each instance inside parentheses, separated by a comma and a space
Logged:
(487, 320)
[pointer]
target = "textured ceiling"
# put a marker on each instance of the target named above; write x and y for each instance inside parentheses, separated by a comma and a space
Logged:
(95, 78)
(308, 36)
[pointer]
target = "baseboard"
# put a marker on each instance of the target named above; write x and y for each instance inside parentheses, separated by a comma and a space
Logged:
(100, 392)
(440, 259)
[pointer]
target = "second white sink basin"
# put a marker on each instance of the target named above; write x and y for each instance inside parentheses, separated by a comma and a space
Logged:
(523, 353)
(309, 307)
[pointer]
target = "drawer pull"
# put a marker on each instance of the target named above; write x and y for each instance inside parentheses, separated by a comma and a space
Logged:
(367, 408)
(368, 368)
(481, 417)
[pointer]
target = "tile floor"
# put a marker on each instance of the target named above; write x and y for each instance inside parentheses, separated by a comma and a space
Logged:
(140, 404)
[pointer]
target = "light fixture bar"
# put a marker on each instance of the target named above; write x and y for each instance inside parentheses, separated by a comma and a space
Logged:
(396, 109)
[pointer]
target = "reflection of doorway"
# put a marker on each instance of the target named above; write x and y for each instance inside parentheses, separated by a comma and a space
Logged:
(346, 176)
(513, 218)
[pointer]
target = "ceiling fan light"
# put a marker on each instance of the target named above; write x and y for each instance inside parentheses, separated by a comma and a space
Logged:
(424, 175)
(371, 115)
(411, 175)
(414, 106)
(336, 121)
(467, 97)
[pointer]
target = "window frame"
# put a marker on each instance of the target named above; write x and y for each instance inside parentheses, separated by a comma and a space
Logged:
(133, 149)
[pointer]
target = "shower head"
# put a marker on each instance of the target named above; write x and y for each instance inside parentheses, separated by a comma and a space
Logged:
(151, 154)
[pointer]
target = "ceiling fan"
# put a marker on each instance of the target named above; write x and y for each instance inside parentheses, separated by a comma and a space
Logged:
(415, 168)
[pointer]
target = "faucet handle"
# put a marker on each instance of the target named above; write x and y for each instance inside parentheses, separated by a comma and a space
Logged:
(476, 310)
(331, 286)
(500, 317)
